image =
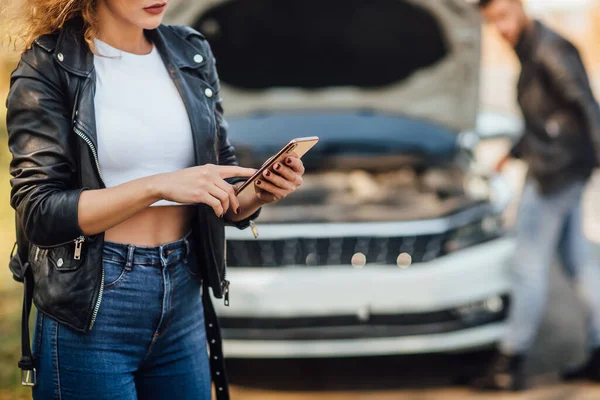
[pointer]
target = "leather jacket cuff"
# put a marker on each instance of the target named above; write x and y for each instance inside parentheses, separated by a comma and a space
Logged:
(78, 195)
(244, 223)
(235, 181)
(61, 217)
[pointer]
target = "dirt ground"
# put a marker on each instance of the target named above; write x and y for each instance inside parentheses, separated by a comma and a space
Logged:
(563, 392)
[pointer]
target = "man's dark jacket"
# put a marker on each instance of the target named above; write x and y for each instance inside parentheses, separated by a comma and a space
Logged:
(562, 118)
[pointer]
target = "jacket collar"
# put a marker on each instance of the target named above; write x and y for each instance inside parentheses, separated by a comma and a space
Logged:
(70, 49)
(525, 47)
(73, 54)
(175, 48)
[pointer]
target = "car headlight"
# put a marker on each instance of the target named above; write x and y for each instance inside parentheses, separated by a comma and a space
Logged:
(477, 232)
(490, 306)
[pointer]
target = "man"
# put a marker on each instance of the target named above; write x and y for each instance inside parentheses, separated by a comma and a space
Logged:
(561, 147)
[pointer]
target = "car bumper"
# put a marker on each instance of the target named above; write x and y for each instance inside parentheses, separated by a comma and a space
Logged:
(449, 304)
(480, 337)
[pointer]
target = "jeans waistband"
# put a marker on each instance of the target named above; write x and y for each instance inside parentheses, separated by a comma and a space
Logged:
(163, 255)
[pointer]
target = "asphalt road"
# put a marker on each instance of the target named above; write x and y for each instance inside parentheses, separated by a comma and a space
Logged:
(561, 340)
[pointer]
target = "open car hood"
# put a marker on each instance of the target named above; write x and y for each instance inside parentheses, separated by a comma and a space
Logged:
(416, 58)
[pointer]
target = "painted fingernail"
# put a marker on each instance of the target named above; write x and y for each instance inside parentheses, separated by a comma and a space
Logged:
(258, 182)
(239, 210)
(277, 166)
(289, 160)
(268, 173)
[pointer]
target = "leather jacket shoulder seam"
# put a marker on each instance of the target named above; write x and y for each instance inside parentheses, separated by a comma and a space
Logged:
(180, 29)
(38, 43)
(188, 34)
(42, 43)
(45, 78)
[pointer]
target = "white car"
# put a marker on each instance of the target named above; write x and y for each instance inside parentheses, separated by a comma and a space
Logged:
(394, 244)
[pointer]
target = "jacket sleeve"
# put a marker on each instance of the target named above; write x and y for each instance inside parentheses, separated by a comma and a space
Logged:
(43, 168)
(226, 150)
(562, 62)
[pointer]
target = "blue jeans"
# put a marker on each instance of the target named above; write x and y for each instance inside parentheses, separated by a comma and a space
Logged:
(548, 223)
(148, 341)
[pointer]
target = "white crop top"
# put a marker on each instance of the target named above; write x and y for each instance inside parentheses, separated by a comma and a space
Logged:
(142, 124)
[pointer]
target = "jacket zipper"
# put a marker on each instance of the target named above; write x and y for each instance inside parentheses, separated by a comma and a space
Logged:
(97, 306)
(76, 254)
(78, 245)
(79, 239)
(87, 140)
(254, 229)
(225, 282)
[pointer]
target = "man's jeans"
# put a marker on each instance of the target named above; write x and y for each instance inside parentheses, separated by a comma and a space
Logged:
(547, 223)
(148, 341)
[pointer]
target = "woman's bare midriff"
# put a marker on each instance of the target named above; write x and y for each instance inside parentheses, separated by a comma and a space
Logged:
(153, 227)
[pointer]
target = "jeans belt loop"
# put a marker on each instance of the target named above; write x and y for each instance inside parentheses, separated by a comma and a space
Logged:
(130, 252)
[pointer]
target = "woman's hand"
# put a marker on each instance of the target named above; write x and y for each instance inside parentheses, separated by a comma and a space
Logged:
(282, 180)
(203, 184)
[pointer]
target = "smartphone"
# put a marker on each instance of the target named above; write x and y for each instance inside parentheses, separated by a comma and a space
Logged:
(300, 146)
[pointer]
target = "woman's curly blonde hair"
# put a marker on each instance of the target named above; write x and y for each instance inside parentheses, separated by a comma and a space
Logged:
(35, 18)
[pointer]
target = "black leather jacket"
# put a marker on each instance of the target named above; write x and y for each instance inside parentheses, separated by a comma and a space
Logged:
(52, 137)
(562, 118)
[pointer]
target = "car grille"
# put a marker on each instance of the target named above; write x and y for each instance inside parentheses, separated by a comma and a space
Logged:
(333, 251)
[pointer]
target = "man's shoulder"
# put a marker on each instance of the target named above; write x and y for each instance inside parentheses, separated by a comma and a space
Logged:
(549, 41)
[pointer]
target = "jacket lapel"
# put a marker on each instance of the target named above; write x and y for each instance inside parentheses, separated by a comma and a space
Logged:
(175, 61)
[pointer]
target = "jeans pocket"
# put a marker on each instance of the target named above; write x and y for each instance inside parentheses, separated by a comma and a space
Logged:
(191, 266)
(114, 273)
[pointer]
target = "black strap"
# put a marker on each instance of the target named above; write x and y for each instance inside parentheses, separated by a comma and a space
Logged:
(26, 364)
(215, 344)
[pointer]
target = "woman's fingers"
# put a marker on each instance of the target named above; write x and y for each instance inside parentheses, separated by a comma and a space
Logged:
(212, 202)
(286, 173)
(294, 163)
(280, 181)
(234, 202)
(233, 171)
(277, 192)
(222, 196)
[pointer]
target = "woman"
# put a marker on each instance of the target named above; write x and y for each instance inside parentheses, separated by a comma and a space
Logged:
(122, 184)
